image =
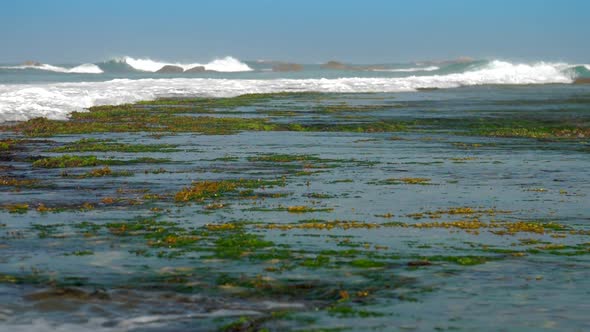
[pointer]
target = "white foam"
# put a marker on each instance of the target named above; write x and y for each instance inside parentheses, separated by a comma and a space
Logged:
(87, 68)
(57, 100)
(409, 70)
(227, 64)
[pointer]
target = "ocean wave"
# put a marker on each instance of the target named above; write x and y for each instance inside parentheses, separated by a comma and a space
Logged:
(227, 64)
(86, 68)
(57, 100)
(409, 70)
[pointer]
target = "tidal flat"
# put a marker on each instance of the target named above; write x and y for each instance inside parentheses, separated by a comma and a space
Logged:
(461, 209)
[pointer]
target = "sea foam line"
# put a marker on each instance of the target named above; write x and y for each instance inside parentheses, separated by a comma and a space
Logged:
(56, 101)
(409, 70)
(86, 68)
(227, 64)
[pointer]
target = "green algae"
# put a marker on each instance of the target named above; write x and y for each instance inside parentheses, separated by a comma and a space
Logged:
(277, 257)
(320, 261)
(405, 180)
(19, 182)
(347, 311)
(96, 145)
(461, 260)
(101, 172)
(17, 208)
(7, 144)
(236, 245)
(366, 263)
(81, 123)
(286, 158)
(80, 253)
(69, 161)
(141, 118)
(206, 190)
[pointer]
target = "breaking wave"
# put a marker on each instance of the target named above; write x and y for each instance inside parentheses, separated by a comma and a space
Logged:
(86, 68)
(227, 64)
(409, 70)
(58, 100)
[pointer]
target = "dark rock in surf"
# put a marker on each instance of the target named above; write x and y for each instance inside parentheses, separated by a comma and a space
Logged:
(32, 64)
(197, 69)
(582, 80)
(168, 69)
(284, 67)
(335, 65)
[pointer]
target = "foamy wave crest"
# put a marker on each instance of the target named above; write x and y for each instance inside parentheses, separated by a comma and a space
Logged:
(56, 101)
(502, 72)
(409, 70)
(87, 68)
(227, 64)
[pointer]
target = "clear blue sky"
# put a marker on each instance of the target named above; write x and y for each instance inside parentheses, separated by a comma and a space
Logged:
(310, 31)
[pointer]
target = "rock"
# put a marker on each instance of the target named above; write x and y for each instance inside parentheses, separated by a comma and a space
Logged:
(32, 64)
(284, 66)
(197, 69)
(582, 80)
(335, 65)
(169, 69)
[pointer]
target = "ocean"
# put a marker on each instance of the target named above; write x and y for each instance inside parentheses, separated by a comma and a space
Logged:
(42, 90)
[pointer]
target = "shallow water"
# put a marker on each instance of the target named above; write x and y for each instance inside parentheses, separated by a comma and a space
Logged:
(378, 263)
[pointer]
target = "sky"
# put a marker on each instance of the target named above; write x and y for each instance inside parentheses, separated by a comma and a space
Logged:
(307, 31)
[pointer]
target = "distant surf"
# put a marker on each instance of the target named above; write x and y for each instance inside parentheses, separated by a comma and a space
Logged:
(86, 68)
(136, 79)
(224, 65)
(409, 70)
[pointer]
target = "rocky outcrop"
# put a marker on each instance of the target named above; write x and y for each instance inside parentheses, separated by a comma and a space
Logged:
(32, 64)
(169, 69)
(582, 80)
(284, 67)
(197, 69)
(335, 65)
